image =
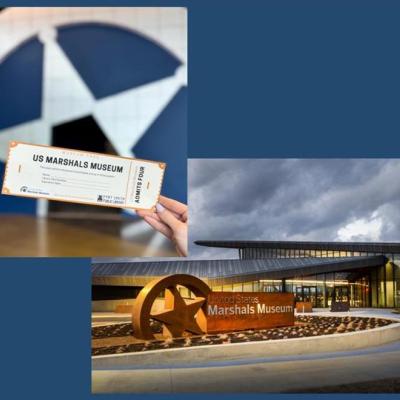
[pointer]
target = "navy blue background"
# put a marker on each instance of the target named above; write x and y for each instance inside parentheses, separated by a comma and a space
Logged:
(266, 79)
(45, 328)
(290, 78)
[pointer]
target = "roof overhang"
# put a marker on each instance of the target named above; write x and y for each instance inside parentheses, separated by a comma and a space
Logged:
(367, 247)
(219, 272)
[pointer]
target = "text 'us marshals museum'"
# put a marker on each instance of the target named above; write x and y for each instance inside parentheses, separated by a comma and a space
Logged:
(362, 274)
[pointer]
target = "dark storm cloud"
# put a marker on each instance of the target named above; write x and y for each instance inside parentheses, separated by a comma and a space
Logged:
(293, 200)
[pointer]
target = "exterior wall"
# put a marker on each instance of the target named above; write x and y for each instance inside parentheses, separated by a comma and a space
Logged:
(111, 305)
(317, 288)
(384, 281)
(254, 253)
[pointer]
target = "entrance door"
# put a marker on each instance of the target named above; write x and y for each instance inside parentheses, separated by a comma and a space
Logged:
(340, 298)
(299, 293)
(310, 294)
(341, 294)
(307, 293)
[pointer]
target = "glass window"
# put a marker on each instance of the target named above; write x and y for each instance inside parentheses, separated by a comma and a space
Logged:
(374, 288)
(329, 285)
(396, 267)
(381, 287)
(389, 285)
(238, 287)
(227, 288)
(288, 286)
(216, 288)
(248, 287)
(321, 299)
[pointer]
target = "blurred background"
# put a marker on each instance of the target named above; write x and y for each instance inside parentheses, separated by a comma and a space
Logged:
(108, 80)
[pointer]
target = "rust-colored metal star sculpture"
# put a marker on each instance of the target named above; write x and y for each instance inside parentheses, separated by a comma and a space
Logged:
(179, 315)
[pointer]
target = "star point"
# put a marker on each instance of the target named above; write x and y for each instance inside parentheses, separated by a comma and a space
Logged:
(180, 316)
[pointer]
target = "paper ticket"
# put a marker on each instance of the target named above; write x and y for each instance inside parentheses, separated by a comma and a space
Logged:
(83, 177)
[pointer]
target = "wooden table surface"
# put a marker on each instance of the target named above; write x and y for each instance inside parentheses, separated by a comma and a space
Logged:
(30, 236)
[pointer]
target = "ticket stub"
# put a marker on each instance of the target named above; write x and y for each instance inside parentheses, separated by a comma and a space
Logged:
(83, 177)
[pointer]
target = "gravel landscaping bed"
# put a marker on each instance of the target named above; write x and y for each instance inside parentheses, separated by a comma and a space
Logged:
(306, 326)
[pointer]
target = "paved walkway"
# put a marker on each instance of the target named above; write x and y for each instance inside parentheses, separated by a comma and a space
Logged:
(273, 375)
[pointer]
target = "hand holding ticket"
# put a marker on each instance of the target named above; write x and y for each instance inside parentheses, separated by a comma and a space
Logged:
(82, 177)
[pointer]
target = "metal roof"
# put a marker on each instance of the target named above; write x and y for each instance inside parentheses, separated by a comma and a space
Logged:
(368, 247)
(224, 271)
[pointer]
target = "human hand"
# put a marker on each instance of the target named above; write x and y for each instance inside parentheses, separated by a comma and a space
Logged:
(170, 218)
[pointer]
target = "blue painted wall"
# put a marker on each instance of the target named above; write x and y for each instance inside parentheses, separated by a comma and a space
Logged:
(111, 60)
(21, 84)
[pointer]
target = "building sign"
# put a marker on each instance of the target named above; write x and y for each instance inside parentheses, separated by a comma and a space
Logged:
(230, 311)
(207, 311)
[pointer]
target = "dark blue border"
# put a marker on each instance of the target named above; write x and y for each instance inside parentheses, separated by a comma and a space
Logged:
(46, 302)
(45, 328)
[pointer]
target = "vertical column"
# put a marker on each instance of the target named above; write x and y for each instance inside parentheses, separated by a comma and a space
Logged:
(325, 293)
(283, 285)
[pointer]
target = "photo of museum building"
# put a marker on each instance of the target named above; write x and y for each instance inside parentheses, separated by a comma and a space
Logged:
(362, 274)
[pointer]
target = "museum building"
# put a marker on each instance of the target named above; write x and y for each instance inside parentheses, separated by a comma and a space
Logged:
(363, 274)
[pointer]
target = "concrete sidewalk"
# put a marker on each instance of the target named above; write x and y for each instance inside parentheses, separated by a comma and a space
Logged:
(274, 375)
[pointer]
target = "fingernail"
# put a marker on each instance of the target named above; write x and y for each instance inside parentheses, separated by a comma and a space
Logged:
(159, 208)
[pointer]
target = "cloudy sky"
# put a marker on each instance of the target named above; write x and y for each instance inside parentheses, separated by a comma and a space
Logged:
(326, 199)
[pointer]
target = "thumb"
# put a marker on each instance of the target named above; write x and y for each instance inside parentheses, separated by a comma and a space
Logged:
(168, 218)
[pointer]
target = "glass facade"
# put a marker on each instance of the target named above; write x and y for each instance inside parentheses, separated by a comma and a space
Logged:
(253, 253)
(317, 289)
(396, 270)
(376, 287)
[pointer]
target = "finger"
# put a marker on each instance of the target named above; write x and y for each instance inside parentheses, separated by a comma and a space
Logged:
(173, 205)
(168, 218)
(181, 241)
(184, 217)
(181, 248)
(148, 213)
(180, 252)
(151, 213)
(143, 213)
(159, 226)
